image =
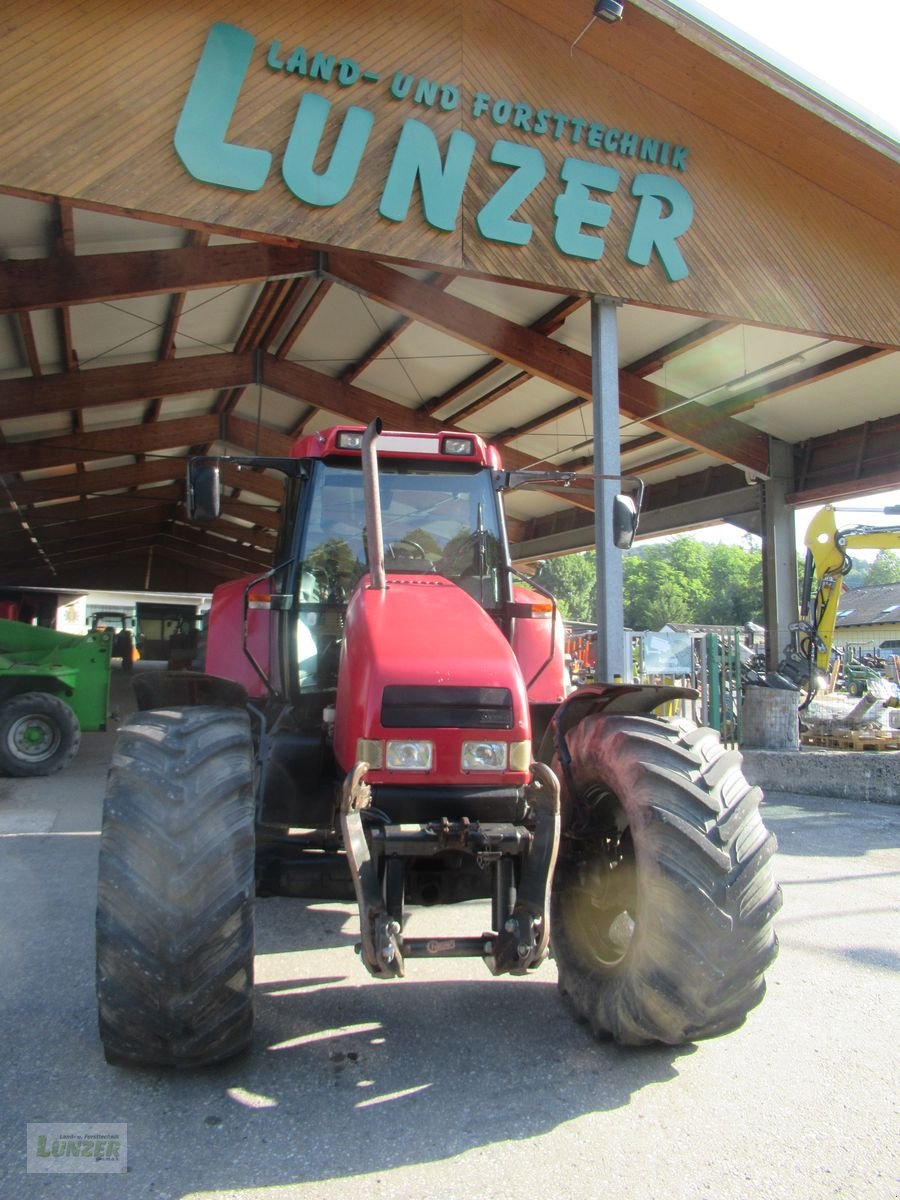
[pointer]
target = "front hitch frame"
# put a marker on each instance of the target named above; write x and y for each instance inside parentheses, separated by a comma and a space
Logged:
(524, 941)
(380, 932)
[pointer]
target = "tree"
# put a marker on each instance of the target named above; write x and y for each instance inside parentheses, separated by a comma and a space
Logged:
(571, 578)
(679, 581)
(735, 586)
(654, 593)
(884, 569)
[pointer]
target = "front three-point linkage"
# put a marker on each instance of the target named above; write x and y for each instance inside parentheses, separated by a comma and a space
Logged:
(520, 911)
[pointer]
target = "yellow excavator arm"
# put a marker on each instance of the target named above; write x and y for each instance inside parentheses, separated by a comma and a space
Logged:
(829, 548)
(827, 562)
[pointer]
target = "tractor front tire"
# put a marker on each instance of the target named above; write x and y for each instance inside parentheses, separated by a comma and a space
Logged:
(176, 890)
(664, 892)
(39, 734)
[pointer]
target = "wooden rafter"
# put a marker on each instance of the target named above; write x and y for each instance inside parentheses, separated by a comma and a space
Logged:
(26, 332)
(106, 443)
(657, 359)
(169, 330)
(35, 283)
(549, 323)
(358, 405)
(310, 301)
(386, 340)
(722, 437)
(742, 401)
(121, 384)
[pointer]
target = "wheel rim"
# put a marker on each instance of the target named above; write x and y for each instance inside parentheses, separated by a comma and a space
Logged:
(33, 738)
(601, 897)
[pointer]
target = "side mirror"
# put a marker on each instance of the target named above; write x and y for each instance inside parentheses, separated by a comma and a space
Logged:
(624, 521)
(203, 489)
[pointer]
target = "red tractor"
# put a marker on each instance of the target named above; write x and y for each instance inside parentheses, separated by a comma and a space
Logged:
(384, 717)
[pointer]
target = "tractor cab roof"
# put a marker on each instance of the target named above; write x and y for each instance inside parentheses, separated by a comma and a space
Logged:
(346, 441)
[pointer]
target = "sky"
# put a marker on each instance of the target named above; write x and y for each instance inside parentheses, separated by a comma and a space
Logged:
(851, 47)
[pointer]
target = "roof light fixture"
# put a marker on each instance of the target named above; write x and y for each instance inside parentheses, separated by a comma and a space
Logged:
(604, 10)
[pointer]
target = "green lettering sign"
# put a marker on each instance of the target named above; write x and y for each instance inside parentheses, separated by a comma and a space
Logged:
(208, 109)
(663, 213)
(575, 208)
(658, 224)
(495, 220)
(418, 156)
(324, 188)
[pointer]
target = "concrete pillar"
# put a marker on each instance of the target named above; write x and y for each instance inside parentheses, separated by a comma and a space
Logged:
(780, 602)
(610, 607)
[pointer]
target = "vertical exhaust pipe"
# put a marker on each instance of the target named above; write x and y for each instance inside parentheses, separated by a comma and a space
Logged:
(375, 539)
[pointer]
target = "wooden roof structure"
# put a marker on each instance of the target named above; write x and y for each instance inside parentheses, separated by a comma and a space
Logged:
(136, 330)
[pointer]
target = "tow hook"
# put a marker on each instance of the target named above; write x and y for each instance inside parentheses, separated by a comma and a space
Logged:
(524, 941)
(380, 948)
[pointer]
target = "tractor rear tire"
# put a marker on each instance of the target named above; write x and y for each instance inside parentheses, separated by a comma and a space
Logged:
(664, 892)
(39, 735)
(176, 890)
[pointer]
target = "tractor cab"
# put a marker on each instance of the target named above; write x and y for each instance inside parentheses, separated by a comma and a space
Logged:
(440, 517)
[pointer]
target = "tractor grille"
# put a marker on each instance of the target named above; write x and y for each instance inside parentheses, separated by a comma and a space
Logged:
(414, 707)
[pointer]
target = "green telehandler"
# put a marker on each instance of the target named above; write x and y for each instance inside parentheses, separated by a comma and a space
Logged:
(52, 686)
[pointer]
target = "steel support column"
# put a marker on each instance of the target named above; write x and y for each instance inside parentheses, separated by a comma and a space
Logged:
(609, 603)
(779, 551)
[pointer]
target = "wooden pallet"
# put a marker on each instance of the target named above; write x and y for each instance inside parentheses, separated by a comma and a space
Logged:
(852, 741)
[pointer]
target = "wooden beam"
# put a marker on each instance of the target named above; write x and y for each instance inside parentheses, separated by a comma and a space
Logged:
(844, 489)
(49, 515)
(247, 480)
(722, 437)
(253, 514)
(193, 537)
(538, 422)
(87, 483)
(359, 406)
(355, 403)
(657, 359)
(200, 560)
(117, 523)
(61, 560)
(552, 320)
(242, 535)
(705, 485)
(257, 439)
(127, 439)
(26, 332)
(66, 392)
(742, 401)
(346, 400)
(33, 283)
(315, 292)
(351, 374)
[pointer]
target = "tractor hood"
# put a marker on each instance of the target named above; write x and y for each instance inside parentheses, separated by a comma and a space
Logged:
(422, 662)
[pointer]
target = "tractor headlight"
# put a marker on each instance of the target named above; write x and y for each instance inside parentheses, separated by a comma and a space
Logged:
(484, 756)
(457, 445)
(409, 756)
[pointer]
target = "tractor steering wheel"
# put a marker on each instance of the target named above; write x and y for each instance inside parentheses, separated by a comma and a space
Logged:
(393, 547)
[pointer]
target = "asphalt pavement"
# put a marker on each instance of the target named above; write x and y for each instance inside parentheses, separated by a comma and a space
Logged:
(451, 1084)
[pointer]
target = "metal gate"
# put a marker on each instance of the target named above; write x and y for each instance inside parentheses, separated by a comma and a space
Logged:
(709, 662)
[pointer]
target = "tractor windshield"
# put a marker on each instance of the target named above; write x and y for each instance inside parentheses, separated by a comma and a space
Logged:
(436, 523)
